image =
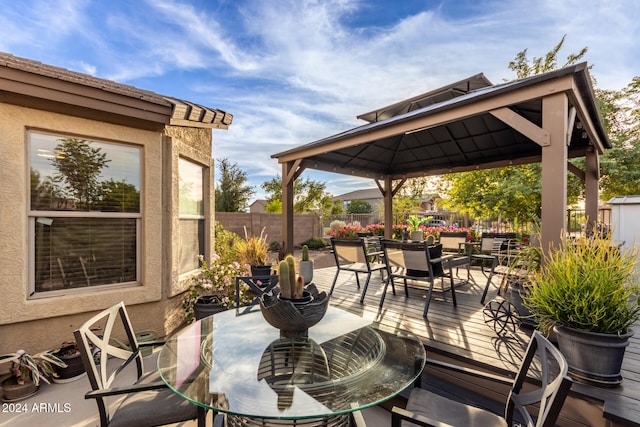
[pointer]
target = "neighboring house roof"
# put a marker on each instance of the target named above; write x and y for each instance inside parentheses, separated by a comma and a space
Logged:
(365, 194)
(32, 83)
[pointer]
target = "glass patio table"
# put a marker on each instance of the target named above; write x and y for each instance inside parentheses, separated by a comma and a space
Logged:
(236, 363)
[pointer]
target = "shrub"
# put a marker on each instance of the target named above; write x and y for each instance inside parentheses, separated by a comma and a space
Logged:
(586, 285)
(315, 243)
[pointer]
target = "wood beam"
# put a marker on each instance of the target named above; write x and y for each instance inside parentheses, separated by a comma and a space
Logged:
(522, 125)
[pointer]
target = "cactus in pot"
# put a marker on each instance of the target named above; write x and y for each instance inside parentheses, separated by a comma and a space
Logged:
(306, 265)
(291, 287)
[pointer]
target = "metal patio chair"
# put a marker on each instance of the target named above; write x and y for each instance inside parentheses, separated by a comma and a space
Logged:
(544, 396)
(147, 401)
(351, 255)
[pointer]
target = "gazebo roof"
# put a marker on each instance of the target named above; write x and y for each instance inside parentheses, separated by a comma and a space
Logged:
(464, 126)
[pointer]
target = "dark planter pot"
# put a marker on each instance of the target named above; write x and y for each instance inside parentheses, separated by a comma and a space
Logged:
(593, 358)
(207, 305)
(516, 292)
(74, 370)
(13, 392)
(260, 270)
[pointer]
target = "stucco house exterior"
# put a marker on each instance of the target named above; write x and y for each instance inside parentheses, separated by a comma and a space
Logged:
(106, 195)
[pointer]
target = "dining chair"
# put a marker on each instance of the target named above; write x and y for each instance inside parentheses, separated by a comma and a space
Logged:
(495, 249)
(544, 395)
(417, 262)
(352, 255)
(256, 284)
(145, 402)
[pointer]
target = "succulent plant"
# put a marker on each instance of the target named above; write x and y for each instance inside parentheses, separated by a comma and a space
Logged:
(291, 287)
(305, 253)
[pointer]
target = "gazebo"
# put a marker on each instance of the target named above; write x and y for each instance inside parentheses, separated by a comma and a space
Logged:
(469, 125)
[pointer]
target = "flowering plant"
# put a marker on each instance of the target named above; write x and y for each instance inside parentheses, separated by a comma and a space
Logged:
(217, 280)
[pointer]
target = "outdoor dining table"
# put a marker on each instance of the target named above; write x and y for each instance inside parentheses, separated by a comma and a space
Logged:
(236, 363)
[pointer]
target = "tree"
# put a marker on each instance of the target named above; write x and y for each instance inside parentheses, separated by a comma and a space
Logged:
(232, 195)
(620, 174)
(308, 196)
(79, 167)
(357, 206)
(511, 192)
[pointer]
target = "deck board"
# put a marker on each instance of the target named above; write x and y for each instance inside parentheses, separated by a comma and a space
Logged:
(461, 333)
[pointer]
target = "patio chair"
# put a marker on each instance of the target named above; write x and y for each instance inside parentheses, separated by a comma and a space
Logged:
(147, 401)
(495, 248)
(455, 243)
(417, 262)
(257, 284)
(351, 255)
(544, 396)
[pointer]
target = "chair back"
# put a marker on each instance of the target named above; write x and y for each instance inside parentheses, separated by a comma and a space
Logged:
(349, 251)
(551, 367)
(453, 240)
(488, 239)
(110, 321)
(257, 284)
(415, 258)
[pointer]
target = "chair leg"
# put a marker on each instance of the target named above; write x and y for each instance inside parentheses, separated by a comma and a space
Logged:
(202, 417)
(364, 288)
(357, 279)
(486, 287)
(384, 290)
(428, 301)
(335, 279)
(453, 291)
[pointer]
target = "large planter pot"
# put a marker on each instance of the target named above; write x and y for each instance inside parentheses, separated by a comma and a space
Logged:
(13, 392)
(206, 306)
(75, 368)
(516, 292)
(260, 270)
(593, 358)
(306, 271)
(416, 236)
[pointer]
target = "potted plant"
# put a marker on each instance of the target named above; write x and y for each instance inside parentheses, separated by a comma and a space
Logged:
(585, 293)
(254, 250)
(70, 355)
(414, 224)
(214, 289)
(26, 372)
(306, 266)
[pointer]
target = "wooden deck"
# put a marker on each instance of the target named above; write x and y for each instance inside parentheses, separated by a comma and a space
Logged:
(459, 334)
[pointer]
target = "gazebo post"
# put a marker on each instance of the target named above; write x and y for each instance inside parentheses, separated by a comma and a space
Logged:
(290, 171)
(555, 113)
(592, 175)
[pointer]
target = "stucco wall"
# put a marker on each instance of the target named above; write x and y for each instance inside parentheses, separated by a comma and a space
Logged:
(36, 323)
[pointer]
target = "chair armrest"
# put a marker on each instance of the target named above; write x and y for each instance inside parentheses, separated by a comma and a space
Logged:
(113, 391)
(399, 414)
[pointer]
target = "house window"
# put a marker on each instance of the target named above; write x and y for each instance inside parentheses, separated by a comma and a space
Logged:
(84, 214)
(191, 207)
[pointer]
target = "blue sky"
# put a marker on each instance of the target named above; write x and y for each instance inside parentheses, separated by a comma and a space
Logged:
(294, 71)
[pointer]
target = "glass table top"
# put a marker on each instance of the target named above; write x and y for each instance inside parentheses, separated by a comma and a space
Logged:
(235, 362)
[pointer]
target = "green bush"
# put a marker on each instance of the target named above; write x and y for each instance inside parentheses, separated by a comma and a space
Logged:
(226, 244)
(315, 243)
(588, 285)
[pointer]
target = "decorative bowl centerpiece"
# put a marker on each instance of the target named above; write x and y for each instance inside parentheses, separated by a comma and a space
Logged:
(291, 307)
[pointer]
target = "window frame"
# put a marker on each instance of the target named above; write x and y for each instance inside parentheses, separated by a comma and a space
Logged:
(33, 215)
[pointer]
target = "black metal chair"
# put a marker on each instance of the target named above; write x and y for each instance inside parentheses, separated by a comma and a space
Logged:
(544, 396)
(256, 284)
(147, 401)
(351, 255)
(495, 249)
(417, 262)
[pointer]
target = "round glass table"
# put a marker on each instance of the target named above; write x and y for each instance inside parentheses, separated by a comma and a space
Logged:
(235, 362)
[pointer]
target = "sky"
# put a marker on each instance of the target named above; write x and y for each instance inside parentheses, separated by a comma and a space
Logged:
(294, 71)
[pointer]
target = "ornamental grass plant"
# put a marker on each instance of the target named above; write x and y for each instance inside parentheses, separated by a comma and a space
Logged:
(588, 284)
